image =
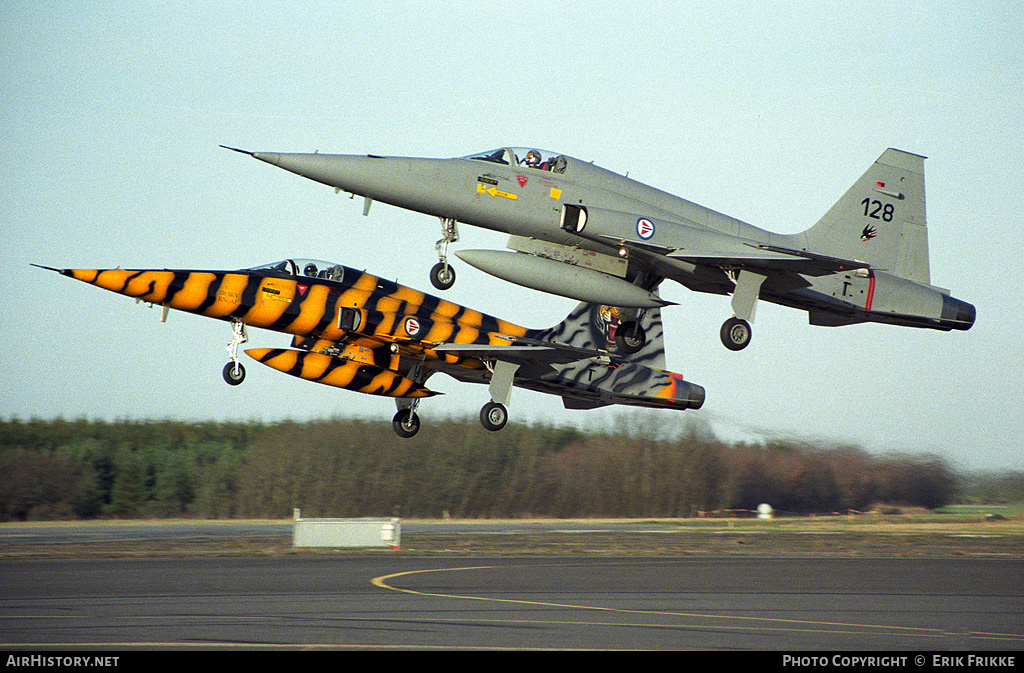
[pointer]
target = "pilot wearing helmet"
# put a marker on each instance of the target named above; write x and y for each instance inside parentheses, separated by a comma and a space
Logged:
(534, 160)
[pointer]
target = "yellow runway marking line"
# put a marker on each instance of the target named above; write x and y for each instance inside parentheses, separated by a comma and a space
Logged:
(773, 623)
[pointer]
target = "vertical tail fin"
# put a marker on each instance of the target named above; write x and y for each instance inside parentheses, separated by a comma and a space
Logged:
(635, 379)
(881, 219)
(594, 326)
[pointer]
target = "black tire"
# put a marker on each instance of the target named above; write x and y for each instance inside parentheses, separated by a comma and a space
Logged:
(630, 337)
(493, 416)
(234, 373)
(406, 423)
(442, 276)
(735, 334)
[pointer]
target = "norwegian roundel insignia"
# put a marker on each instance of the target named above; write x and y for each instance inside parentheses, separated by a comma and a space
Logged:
(412, 326)
(644, 228)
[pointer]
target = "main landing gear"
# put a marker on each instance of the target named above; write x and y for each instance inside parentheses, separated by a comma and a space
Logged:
(493, 415)
(442, 276)
(406, 423)
(630, 337)
(735, 331)
(234, 372)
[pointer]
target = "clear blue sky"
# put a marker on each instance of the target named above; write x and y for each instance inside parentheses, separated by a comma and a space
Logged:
(112, 114)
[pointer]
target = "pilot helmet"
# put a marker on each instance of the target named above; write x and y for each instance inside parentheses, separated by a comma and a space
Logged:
(533, 158)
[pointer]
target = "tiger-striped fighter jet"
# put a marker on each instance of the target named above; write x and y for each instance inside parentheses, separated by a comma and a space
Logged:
(360, 332)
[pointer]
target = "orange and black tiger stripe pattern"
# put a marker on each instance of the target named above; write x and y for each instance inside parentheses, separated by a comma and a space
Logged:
(360, 332)
(377, 311)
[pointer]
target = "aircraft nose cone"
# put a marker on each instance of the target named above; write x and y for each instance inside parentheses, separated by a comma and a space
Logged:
(269, 157)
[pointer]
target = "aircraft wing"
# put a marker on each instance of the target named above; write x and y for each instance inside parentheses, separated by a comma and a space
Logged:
(660, 243)
(763, 257)
(772, 258)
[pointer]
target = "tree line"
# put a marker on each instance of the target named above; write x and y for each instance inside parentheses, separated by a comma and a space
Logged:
(57, 469)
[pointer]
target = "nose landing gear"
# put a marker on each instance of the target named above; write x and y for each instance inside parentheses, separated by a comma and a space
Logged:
(442, 276)
(234, 372)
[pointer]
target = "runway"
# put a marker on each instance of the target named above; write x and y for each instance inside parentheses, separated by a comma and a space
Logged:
(382, 601)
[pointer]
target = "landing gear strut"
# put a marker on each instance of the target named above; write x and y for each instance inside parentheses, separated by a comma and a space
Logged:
(494, 414)
(406, 423)
(442, 276)
(735, 331)
(234, 372)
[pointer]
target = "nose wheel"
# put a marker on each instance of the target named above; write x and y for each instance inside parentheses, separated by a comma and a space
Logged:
(234, 373)
(442, 276)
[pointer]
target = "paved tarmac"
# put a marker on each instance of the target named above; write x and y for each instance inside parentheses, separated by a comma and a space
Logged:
(508, 585)
(396, 602)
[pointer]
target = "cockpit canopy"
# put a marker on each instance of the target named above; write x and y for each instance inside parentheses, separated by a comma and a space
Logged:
(525, 157)
(310, 268)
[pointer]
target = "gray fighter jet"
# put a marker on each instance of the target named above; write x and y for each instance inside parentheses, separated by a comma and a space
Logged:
(580, 231)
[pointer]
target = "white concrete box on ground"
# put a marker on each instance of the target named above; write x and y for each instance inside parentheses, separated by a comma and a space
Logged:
(346, 532)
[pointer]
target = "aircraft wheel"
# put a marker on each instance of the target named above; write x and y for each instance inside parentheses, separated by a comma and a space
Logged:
(735, 334)
(406, 423)
(493, 416)
(442, 276)
(234, 373)
(630, 337)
